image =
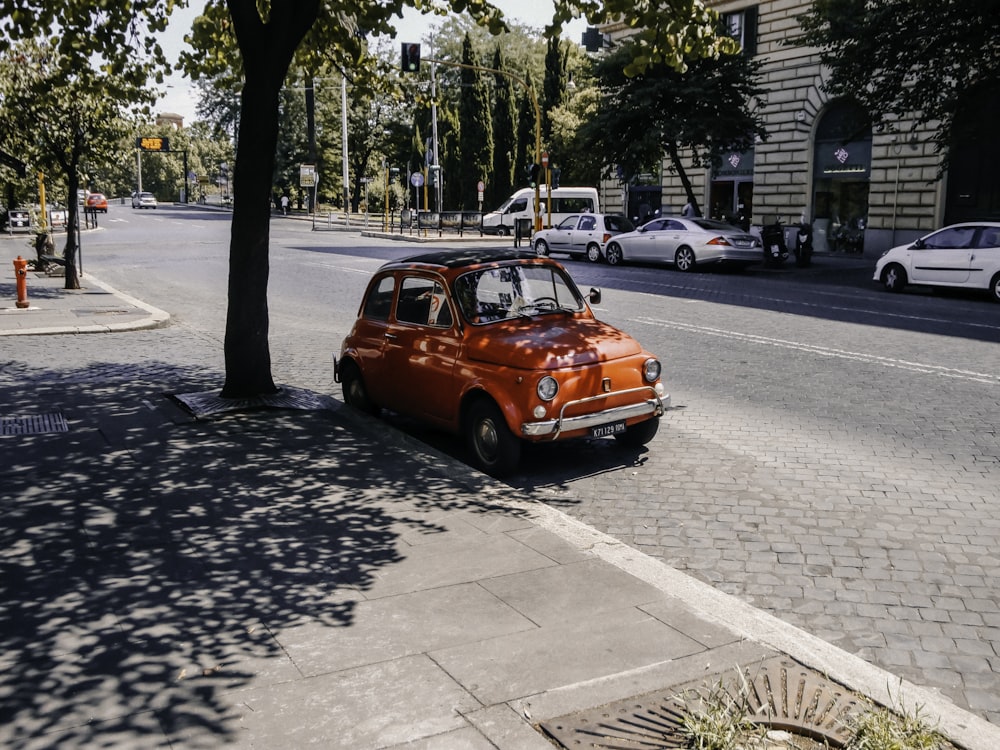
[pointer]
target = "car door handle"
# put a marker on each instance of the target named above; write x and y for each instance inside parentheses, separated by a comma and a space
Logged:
(391, 336)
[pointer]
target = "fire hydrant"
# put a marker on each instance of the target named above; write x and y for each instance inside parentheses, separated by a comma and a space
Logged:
(21, 272)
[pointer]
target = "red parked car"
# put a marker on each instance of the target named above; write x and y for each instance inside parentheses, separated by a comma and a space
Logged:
(499, 346)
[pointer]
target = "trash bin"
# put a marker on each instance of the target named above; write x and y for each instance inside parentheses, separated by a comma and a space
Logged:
(522, 229)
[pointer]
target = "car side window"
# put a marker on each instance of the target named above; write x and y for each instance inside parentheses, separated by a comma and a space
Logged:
(674, 226)
(422, 301)
(379, 301)
(569, 223)
(588, 223)
(953, 238)
(989, 237)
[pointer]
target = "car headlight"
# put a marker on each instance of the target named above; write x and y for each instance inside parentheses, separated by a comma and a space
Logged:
(651, 370)
(547, 388)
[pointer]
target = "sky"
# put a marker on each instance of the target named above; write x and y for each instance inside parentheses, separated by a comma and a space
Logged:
(180, 98)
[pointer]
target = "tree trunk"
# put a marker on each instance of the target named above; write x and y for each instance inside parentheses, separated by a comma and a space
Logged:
(72, 280)
(675, 159)
(267, 51)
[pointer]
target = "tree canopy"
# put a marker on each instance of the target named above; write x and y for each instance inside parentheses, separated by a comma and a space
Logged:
(710, 106)
(929, 61)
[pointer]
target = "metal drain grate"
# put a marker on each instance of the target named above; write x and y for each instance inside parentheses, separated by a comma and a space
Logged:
(208, 403)
(780, 693)
(38, 424)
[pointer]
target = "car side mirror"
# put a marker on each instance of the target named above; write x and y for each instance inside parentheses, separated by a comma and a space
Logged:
(595, 296)
(919, 244)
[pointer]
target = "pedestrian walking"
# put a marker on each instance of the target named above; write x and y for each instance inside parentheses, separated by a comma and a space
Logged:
(284, 205)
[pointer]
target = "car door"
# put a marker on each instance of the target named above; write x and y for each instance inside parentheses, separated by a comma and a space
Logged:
(944, 257)
(422, 344)
(560, 239)
(985, 261)
(643, 244)
(580, 236)
(673, 234)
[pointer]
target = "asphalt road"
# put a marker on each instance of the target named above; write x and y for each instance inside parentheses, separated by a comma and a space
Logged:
(831, 456)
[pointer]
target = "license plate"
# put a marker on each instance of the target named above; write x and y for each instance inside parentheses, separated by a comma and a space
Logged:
(603, 430)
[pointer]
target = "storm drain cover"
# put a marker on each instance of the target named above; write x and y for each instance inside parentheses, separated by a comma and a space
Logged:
(779, 692)
(210, 403)
(38, 424)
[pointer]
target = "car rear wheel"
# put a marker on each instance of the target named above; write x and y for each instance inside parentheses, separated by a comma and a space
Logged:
(495, 449)
(541, 248)
(613, 253)
(355, 393)
(594, 253)
(639, 434)
(684, 259)
(995, 288)
(894, 277)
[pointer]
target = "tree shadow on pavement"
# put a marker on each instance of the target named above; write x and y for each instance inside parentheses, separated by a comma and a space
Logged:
(147, 558)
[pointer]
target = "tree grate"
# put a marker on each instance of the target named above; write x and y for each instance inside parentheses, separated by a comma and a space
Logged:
(210, 403)
(39, 424)
(779, 693)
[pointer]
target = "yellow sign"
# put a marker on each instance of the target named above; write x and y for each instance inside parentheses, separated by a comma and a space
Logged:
(152, 143)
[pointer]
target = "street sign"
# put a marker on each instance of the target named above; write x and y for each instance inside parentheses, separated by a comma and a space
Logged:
(417, 179)
(545, 158)
(307, 175)
(152, 143)
(480, 186)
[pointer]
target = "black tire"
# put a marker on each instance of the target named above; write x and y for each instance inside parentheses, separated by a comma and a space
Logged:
(594, 252)
(541, 248)
(613, 254)
(995, 288)
(894, 277)
(639, 434)
(684, 259)
(494, 448)
(502, 231)
(355, 393)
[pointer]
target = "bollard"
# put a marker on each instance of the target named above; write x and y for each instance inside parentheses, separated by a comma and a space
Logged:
(21, 272)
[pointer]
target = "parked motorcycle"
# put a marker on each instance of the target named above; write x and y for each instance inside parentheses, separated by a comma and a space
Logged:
(773, 237)
(804, 244)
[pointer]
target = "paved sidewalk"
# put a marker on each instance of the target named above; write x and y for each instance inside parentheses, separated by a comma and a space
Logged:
(275, 578)
(94, 308)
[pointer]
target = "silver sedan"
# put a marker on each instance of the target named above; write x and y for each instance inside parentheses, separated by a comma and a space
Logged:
(685, 243)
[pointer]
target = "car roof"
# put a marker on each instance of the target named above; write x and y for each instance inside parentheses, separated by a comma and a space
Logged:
(462, 258)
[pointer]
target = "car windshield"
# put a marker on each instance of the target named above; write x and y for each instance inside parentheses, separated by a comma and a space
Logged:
(498, 293)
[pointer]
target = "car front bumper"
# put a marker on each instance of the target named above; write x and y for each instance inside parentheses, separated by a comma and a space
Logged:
(654, 405)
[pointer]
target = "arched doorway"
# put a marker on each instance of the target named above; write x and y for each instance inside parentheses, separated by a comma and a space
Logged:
(842, 160)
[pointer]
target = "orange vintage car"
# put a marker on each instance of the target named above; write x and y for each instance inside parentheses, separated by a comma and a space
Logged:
(499, 346)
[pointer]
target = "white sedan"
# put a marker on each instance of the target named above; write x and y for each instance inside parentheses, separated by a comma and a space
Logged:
(960, 255)
(685, 243)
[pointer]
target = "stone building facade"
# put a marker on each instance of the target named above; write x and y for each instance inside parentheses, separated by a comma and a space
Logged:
(858, 186)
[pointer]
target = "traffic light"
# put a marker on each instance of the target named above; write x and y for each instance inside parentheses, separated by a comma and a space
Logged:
(532, 172)
(411, 57)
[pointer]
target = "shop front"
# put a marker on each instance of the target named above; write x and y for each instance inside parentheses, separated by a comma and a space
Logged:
(731, 195)
(842, 161)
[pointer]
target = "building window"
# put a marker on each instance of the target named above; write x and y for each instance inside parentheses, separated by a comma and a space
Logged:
(741, 25)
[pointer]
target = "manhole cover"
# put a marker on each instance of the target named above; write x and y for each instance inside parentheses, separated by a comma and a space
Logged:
(38, 424)
(780, 693)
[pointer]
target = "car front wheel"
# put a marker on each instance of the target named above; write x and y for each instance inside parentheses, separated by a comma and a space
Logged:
(541, 248)
(502, 231)
(894, 277)
(594, 253)
(639, 434)
(613, 253)
(495, 449)
(684, 259)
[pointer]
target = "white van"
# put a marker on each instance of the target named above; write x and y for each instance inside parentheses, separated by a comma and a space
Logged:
(521, 205)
